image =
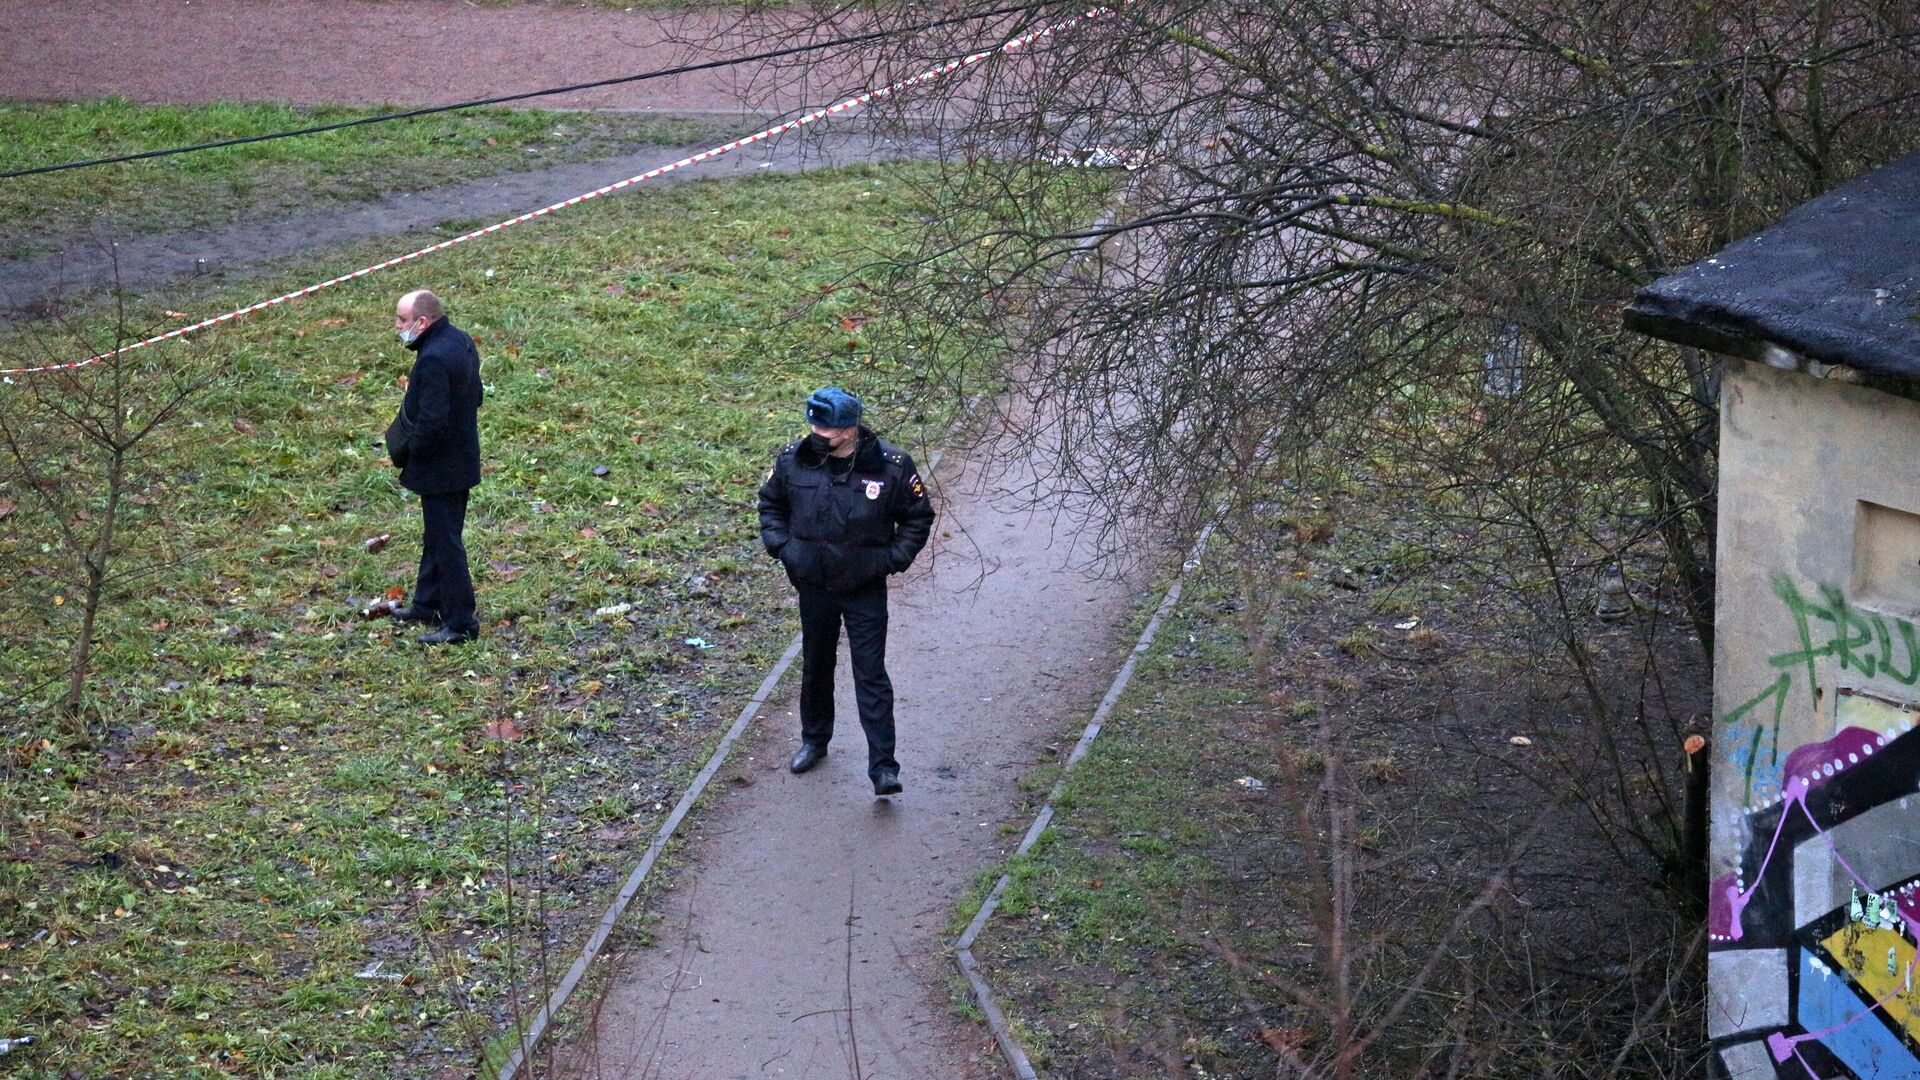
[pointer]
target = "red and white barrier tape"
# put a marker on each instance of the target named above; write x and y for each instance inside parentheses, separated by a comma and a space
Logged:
(704, 155)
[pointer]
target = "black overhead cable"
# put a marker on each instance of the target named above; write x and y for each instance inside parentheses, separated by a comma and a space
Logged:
(684, 69)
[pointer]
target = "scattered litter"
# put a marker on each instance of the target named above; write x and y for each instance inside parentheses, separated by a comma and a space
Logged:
(613, 611)
(601, 470)
(1252, 783)
(679, 980)
(699, 643)
(1101, 157)
(1408, 625)
(1521, 740)
(374, 543)
(373, 972)
(17, 1042)
(380, 609)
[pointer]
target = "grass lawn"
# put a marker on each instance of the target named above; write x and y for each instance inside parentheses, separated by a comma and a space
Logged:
(1172, 919)
(217, 187)
(275, 795)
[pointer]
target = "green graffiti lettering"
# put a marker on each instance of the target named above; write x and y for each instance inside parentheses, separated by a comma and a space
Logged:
(1911, 674)
(1851, 632)
(1828, 625)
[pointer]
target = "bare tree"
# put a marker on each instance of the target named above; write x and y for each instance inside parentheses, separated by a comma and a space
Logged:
(1350, 203)
(85, 454)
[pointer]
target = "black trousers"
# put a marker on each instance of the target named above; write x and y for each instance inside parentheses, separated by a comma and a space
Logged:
(445, 585)
(865, 616)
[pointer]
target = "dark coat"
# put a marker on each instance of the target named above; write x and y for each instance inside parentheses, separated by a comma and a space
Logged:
(443, 404)
(843, 535)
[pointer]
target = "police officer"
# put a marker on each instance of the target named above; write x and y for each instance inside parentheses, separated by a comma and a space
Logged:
(841, 510)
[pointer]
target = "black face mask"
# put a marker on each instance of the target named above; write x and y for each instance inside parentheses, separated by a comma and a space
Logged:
(819, 444)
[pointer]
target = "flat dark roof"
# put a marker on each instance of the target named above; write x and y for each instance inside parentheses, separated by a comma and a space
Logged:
(1837, 280)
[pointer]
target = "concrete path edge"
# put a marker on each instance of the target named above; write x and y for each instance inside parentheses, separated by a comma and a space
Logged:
(963, 958)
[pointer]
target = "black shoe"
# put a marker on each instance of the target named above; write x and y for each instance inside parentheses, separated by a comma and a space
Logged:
(448, 636)
(415, 614)
(807, 757)
(886, 782)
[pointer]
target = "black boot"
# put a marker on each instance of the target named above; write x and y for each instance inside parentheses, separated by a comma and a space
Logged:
(807, 757)
(448, 636)
(886, 782)
(415, 614)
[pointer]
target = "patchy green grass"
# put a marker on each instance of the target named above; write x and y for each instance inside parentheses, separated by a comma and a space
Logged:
(217, 187)
(274, 794)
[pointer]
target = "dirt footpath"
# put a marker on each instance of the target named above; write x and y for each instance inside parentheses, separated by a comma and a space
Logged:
(142, 262)
(354, 52)
(807, 896)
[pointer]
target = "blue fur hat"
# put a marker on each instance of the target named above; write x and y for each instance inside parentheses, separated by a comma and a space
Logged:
(832, 407)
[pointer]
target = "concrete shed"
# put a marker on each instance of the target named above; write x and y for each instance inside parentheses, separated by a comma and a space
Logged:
(1814, 910)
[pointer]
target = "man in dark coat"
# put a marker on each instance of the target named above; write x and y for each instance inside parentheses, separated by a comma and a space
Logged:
(439, 460)
(841, 510)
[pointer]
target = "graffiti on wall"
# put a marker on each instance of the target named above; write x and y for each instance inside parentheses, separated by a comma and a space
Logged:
(1813, 936)
(1863, 644)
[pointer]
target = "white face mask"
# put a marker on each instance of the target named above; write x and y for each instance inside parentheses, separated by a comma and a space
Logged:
(408, 337)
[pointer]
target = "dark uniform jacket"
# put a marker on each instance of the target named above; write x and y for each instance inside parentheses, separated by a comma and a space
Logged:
(843, 535)
(443, 405)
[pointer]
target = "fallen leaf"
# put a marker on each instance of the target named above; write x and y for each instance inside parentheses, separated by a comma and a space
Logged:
(160, 624)
(1285, 1040)
(850, 323)
(395, 592)
(330, 570)
(503, 569)
(244, 428)
(351, 378)
(7, 506)
(503, 730)
(589, 533)
(333, 322)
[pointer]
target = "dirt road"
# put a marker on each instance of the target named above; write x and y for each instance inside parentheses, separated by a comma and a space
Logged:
(354, 52)
(811, 925)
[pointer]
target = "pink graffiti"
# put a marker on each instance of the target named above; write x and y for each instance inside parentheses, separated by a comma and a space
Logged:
(1724, 904)
(1820, 761)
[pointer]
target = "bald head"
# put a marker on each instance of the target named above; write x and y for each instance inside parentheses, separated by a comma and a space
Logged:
(421, 304)
(415, 312)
